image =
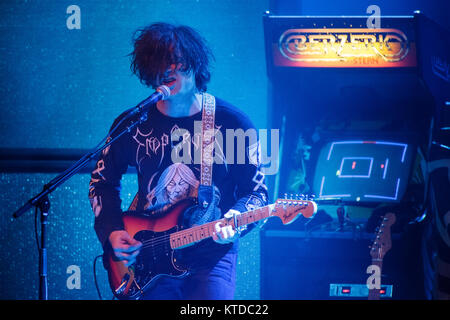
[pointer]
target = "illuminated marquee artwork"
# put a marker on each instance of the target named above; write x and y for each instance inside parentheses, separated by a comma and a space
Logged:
(344, 47)
(365, 171)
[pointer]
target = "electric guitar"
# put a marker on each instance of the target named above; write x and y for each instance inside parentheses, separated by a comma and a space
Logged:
(381, 245)
(162, 234)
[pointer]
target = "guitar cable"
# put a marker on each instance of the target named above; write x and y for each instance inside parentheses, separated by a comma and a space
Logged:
(95, 276)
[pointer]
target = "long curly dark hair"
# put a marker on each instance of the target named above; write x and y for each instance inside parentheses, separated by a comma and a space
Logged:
(160, 45)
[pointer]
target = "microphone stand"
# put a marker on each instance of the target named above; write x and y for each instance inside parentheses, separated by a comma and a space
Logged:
(42, 202)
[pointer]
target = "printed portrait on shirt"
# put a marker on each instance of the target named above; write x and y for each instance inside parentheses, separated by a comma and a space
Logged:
(177, 182)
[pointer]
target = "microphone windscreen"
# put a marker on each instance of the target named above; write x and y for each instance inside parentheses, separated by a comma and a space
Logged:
(165, 91)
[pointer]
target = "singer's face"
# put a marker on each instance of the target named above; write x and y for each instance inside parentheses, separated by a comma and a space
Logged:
(179, 81)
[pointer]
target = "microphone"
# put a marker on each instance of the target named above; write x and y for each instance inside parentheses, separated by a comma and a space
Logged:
(161, 93)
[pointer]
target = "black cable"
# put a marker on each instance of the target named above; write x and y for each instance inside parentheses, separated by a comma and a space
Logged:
(95, 277)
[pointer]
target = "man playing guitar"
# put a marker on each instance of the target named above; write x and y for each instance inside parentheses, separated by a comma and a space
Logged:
(177, 57)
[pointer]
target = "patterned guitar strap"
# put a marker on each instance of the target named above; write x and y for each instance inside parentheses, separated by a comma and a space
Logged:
(208, 195)
(207, 139)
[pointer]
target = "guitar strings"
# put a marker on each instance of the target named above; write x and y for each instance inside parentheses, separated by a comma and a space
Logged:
(183, 234)
(163, 239)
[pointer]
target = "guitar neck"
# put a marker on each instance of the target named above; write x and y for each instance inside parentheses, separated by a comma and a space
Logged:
(189, 236)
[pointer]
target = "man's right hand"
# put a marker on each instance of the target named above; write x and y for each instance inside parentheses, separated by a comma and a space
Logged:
(125, 247)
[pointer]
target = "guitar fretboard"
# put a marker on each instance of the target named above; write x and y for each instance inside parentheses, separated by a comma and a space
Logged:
(186, 237)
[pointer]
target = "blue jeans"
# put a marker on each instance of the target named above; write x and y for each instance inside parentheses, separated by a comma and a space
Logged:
(209, 283)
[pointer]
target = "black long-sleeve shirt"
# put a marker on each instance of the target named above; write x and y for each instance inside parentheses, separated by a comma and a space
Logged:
(154, 150)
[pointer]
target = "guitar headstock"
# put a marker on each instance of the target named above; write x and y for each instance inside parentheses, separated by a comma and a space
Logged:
(287, 209)
(382, 243)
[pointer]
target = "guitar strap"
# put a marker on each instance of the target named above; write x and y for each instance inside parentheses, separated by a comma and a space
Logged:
(207, 139)
(208, 195)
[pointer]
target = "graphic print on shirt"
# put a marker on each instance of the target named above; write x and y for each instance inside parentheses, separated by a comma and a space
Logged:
(148, 146)
(95, 200)
(177, 182)
(96, 205)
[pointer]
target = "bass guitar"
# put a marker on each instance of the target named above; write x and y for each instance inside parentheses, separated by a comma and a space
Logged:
(162, 235)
